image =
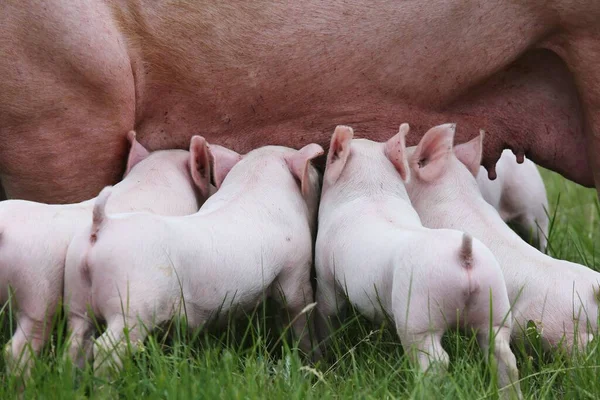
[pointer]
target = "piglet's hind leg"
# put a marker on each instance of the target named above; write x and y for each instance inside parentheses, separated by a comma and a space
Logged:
(294, 292)
(119, 337)
(425, 349)
(506, 363)
(26, 343)
(81, 330)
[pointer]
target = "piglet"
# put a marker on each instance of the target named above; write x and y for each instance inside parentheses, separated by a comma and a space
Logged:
(519, 195)
(251, 239)
(372, 250)
(560, 297)
(34, 238)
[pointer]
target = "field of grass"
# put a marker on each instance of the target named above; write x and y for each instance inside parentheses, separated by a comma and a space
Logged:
(251, 359)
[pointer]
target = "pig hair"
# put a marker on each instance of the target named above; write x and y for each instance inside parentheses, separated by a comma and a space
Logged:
(99, 214)
(466, 251)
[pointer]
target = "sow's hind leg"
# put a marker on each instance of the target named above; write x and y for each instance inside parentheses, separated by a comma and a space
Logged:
(67, 100)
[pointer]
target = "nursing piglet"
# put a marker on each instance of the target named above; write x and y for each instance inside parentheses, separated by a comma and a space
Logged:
(34, 238)
(254, 237)
(560, 297)
(519, 195)
(372, 249)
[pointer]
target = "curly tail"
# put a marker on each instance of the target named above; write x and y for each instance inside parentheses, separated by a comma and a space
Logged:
(99, 215)
(466, 251)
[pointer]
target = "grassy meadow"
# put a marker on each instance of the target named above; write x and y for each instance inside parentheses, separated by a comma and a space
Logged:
(253, 359)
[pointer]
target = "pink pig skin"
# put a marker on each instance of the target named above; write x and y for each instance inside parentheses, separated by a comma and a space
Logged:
(519, 195)
(372, 249)
(34, 239)
(252, 238)
(560, 297)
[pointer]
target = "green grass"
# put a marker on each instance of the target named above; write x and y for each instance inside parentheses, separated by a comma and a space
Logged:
(249, 359)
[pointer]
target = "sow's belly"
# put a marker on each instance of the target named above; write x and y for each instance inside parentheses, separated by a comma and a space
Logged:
(530, 107)
(270, 73)
(266, 73)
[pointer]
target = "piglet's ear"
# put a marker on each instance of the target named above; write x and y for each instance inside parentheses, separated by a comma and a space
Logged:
(470, 153)
(137, 152)
(200, 165)
(395, 151)
(223, 160)
(339, 150)
(433, 152)
(298, 163)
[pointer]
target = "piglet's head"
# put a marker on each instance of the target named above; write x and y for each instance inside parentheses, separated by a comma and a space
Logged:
(223, 160)
(200, 165)
(432, 155)
(306, 175)
(137, 152)
(337, 157)
(437, 166)
(395, 151)
(470, 153)
(362, 161)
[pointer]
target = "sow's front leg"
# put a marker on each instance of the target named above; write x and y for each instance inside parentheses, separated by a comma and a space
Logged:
(67, 100)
